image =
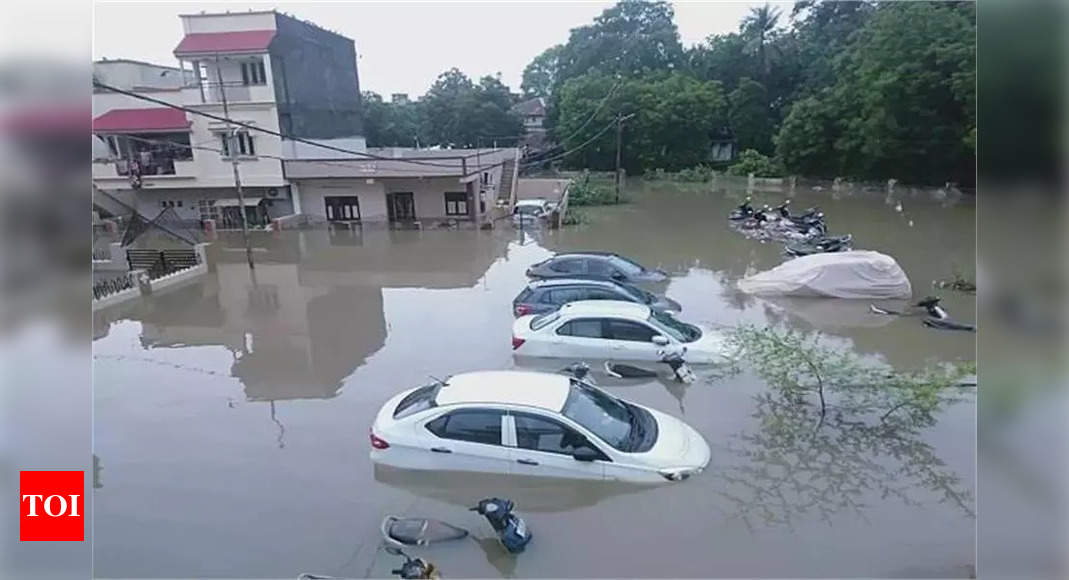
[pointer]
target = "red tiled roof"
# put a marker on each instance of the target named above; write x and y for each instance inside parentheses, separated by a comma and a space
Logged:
(127, 120)
(223, 42)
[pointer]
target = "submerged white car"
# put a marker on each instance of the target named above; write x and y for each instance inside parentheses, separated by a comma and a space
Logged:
(611, 329)
(537, 424)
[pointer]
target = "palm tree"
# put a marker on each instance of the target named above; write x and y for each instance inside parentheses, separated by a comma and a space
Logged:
(756, 27)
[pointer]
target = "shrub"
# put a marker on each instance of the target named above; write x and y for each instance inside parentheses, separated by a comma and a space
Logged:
(584, 193)
(751, 161)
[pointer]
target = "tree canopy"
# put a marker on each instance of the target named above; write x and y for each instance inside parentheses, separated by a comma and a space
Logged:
(860, 89)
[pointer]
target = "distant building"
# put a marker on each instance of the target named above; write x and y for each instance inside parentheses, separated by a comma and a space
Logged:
(723, 149)
(275, 72)
(399, 98)
(533, 114)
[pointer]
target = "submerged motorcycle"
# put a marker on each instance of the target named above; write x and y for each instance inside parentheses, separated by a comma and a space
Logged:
(820, 245)
(510, 528)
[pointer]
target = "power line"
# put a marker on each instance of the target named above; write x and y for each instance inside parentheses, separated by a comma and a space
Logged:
(579, 148)
(250, 127)
(604, 100)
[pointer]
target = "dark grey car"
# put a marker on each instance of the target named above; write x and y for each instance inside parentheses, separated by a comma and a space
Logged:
(543, 296)
(600, 265)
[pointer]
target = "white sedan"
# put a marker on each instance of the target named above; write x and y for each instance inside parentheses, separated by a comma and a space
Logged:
(536, 424)
(611, 329)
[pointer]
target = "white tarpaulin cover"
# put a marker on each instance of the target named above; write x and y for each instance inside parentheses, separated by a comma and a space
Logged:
(857, 274)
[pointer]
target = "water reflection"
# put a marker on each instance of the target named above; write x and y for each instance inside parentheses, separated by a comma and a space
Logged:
(789, 468)
(531, 494)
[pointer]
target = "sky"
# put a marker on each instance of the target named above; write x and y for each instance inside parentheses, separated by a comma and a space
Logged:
(403, 46)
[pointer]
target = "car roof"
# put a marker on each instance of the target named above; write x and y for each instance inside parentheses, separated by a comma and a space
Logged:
(588, 254)
(605, 308)
(573, 282)
(538, 201)
(530, 389)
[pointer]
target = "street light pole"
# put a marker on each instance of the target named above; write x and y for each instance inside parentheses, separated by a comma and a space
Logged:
(619, 139)
(233, 149)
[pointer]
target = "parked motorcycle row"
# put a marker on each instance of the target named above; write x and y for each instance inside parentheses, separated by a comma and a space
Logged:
(802, 235)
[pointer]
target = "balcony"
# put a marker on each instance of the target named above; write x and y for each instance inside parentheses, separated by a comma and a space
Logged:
(154, 167)
(236, 93)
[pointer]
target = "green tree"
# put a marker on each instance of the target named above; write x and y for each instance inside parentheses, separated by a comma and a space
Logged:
(757, 28)
(824, 29)
(460, 113)
(750, 117)
(674, 117)
(392, 124)
(540, 76)
(722, 58)
(806, 139)
(630, 38)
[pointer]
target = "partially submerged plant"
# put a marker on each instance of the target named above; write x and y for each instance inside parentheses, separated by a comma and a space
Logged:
(958, 282)
(801, 365)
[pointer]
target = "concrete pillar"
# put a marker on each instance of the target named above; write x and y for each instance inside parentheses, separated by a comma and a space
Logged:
(295, 196)
(201, 250)
(118, 255)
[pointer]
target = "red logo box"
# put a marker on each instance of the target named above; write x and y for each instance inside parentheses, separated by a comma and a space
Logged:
(51, 506)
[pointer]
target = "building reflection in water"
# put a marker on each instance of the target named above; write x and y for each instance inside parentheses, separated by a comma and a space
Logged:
(311, 312)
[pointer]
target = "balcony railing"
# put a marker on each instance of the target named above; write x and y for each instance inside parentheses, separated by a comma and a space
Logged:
(146, 166)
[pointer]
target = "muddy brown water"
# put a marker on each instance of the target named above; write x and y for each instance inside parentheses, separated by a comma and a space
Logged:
(231, 414)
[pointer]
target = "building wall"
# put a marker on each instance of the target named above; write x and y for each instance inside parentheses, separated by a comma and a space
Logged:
(428, 194)
(195, 23)
(317, 86)
(131, 75)
(148, 203)
(372, 197)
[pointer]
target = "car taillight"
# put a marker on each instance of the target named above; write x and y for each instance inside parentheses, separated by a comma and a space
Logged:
(378, 442)
(517, 342)
(522, 310)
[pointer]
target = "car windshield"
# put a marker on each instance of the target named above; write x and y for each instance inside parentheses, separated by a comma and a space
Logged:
(611, 419)
(638, 294)
(542, 320)
(627, 266)
(679, 330)
(528, 209)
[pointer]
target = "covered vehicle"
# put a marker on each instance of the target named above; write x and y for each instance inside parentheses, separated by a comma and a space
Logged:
(855, 274)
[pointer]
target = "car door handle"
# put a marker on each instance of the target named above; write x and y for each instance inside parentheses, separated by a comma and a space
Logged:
(527, 461)
(441, 450)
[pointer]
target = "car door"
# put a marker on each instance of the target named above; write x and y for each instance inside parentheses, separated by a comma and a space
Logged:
(601, 268)
(543, 447)
(579, 338)
(631, 340)
(468, 439)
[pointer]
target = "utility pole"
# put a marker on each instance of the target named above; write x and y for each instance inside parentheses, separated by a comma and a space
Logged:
(619, 140)
(233, 149)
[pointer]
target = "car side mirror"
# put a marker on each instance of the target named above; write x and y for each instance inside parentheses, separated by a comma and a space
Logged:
(618, 276)
(659, 340)
(585, 453)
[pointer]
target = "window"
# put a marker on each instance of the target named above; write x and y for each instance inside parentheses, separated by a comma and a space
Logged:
(542, 320)
(679, 330)
(487, 178)
(476, 426)
(179, 202)
(567, 265)
(170, 203)
(418, 400)
(604, 415)
(564, 295)
(253, 73)
(245, 144)
(600, 268)
(603, 294)
(543, 434)
(208, 209)
(342, 208)
(583, 328)
(626, 266)
(627, 330)
(456, 203)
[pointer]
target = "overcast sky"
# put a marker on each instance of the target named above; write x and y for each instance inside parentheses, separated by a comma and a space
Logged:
(403, 46)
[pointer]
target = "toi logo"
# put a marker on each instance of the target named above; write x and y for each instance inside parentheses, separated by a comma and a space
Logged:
(51, 506)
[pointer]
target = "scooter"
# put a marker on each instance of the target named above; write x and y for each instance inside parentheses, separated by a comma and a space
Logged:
(413, 568)
(674, 359)
(834, 244)
(510, 528)
(745, 210)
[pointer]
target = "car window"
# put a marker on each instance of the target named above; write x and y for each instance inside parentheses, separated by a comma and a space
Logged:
(605, 416)
(628, 330)
(567, 265)
(474, 425)
(418, 400)
(541, 321)
(603, 294)
(626, 266)
(583, 327)
(679, 330)
(544, 434)
(526, 295)
(637, 294)
(600, 267)
(565, 295)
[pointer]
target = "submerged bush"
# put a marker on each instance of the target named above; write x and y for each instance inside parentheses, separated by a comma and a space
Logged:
(696, 174)
(751, 161)
(583, 192)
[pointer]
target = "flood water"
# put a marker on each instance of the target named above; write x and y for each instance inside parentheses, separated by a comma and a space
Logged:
(231, 414)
